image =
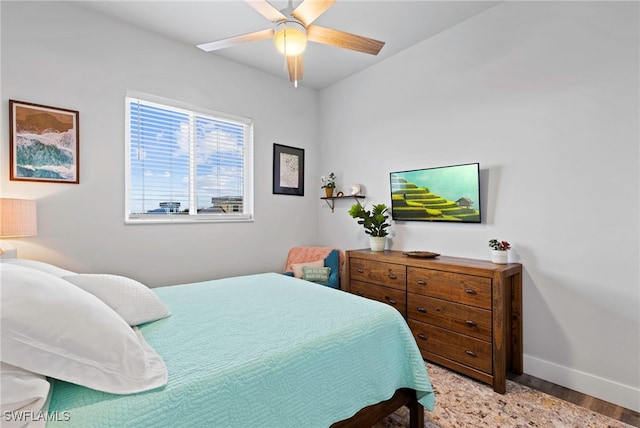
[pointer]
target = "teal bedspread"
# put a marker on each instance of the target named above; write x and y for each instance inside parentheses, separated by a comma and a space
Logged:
(262, 350)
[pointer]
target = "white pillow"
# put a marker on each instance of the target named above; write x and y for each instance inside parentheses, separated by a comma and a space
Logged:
(133, 301)
(297, 267)
(22, 394)
(51, 327)
(41, 266)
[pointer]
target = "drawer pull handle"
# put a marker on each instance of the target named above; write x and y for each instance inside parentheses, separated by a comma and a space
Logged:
(360, 270)
(422, 336)
(469, 291)
(421, 309)
(421, 282)
(470, 353)
(392, 276)
(471, 323)
(390, 300)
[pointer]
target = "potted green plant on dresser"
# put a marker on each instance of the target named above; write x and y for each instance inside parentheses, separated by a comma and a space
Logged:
(374, 222)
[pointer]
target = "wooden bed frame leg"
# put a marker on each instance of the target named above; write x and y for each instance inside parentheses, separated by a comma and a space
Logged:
(371, 414)
(416, 413)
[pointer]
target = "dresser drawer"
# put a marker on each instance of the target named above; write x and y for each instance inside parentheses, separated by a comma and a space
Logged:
(453, 346)
(457, 287)
(387, 274)
(390, 296)
(464, 319)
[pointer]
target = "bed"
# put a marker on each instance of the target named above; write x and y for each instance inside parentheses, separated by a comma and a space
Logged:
(263, 350)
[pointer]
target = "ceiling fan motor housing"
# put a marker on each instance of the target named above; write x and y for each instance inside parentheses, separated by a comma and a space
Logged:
(290, 37)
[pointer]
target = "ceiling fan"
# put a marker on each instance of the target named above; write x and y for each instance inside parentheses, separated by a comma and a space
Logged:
(292, 28)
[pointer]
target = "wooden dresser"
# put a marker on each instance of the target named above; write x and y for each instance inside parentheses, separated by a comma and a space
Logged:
(465, 314)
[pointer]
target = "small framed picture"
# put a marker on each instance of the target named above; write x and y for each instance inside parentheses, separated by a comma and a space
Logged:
(288, 170)
(44, 143)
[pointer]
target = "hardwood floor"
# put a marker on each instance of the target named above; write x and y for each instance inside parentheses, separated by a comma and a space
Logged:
(603, 407)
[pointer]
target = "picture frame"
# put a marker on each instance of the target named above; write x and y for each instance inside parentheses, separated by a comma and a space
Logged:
(288, 170)
(44, 143)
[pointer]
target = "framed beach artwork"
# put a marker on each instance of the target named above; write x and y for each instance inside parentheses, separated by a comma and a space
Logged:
(44, 143)
(288, 170)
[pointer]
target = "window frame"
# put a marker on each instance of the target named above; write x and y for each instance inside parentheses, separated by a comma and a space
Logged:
(248, 165)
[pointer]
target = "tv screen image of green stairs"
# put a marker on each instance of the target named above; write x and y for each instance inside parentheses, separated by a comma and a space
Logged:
(411, 202)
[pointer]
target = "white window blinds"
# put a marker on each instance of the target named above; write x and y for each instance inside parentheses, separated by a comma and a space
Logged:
(186, 164)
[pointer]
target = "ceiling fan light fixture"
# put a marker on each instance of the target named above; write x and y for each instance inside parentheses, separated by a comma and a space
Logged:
(290, 37)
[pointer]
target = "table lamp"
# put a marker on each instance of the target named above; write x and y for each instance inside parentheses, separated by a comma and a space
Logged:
(18, 218)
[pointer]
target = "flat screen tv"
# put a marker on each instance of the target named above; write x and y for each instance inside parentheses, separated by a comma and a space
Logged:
(446, 193)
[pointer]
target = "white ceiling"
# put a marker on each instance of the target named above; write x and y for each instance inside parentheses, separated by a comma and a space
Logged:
(400, 24)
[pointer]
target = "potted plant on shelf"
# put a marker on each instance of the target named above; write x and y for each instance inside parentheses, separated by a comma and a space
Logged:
(374, 222)
(328, 184)
(499, 252)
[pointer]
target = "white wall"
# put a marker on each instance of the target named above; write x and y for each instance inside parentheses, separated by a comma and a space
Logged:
(60, 55)
(545, 96)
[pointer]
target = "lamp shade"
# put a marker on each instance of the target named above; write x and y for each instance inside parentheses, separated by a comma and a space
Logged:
(18, 217)
(290, 38)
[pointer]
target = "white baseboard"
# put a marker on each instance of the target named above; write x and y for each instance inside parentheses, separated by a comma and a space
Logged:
(617, 393)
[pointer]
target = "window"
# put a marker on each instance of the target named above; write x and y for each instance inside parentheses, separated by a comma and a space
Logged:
(186, 164)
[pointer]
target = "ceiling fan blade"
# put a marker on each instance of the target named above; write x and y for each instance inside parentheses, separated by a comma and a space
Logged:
(295, 67)
(309, 10)
(332, 37)
(265, 9)
(236, 40)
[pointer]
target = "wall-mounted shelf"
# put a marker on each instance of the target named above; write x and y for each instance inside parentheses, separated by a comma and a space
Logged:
(331, 201)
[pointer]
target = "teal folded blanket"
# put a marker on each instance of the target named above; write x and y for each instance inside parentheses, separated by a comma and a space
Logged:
(261, 350)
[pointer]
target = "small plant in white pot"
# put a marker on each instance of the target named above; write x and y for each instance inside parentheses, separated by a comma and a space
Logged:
(374, 222)
(499, 252)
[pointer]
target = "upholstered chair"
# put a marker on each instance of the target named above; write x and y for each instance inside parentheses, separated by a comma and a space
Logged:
(330, 257)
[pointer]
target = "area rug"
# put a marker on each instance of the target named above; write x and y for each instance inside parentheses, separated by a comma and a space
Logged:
(464, 402)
